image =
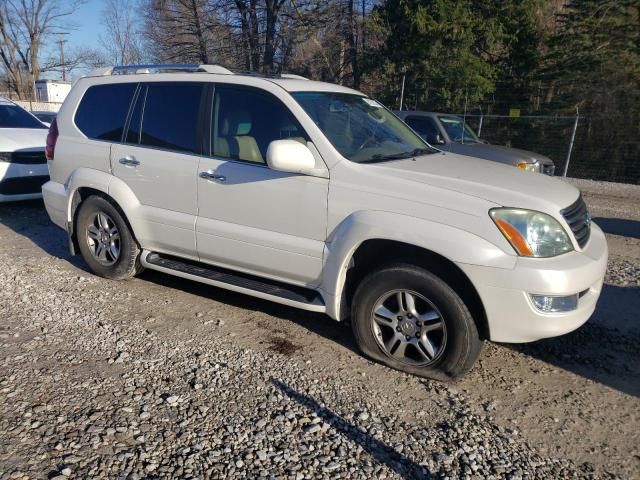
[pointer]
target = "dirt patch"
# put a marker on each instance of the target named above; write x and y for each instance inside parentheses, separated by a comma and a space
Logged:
(283, 346)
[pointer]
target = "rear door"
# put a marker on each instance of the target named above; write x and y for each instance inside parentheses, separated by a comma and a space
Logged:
(159, 162)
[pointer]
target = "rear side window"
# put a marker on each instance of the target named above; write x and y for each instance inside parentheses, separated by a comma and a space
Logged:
(171, 116)
(103, 111)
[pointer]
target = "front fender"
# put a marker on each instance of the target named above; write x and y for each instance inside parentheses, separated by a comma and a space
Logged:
(455, 244)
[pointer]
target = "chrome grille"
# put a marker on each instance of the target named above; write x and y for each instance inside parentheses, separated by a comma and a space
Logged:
(579, 220)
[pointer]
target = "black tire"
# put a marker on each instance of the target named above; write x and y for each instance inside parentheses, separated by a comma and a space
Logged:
(127, 263)
(459, 344)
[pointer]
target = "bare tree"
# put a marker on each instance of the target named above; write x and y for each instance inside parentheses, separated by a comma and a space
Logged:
(180, 30)
(24, 26)
(122, 41)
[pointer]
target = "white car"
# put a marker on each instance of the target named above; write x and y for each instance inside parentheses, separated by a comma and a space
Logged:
(23, 166)
(316, 196)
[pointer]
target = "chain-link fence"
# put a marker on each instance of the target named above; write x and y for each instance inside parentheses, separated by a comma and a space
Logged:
(576, 144)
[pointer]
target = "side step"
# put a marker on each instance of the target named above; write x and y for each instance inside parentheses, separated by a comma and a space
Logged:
(268, 289)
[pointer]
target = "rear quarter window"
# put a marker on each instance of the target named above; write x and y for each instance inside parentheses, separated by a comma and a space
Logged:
(103, 111)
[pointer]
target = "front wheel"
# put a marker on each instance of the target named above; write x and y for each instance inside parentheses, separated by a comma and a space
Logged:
(409, 319)
(105, 240)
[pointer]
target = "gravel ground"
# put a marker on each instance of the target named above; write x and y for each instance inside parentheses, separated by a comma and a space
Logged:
(159, 378)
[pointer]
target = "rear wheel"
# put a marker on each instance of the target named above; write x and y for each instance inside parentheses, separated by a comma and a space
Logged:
(408, 318)
(105, 240)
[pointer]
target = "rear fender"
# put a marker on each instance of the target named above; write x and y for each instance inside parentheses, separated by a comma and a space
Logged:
(106, 184)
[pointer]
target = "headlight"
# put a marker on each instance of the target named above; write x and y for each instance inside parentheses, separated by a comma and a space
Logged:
(529, 167)
(531, 234)
(5, 156)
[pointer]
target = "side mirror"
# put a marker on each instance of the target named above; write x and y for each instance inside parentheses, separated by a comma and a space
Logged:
(290, 156)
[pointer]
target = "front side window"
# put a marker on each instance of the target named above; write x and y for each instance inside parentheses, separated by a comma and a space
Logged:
(458, 131)
(246, 121)
(171, 116)
(103, 111)
(13, 116)
(360, 128)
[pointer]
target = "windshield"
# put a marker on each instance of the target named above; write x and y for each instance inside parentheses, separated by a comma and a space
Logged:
(12, 116)
(360, 128)
(454, 127)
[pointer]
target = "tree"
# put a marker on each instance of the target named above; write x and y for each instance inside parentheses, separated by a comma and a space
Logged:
(121, 42)
(594, 65)
(24, 26)
(444, 48)
(180, 31)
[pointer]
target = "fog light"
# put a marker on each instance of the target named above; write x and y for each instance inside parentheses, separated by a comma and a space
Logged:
(550, 304)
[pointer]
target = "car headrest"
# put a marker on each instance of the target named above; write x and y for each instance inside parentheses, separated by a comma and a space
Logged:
(237, 122)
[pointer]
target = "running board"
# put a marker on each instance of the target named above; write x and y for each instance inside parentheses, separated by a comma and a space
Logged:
(260, 287)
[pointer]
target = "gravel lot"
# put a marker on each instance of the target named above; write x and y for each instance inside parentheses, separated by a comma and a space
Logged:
(159, 377)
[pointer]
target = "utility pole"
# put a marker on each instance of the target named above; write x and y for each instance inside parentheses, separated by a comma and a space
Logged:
(61, 41)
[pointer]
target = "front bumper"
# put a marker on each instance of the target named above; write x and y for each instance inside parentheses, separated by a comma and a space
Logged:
(21, 182)
(511, 315)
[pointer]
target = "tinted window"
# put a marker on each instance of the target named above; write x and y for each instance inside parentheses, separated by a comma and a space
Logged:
(171, 116)
(246, 121)
(103, 111)
(135, 122)
(425, 127)
(13, 116)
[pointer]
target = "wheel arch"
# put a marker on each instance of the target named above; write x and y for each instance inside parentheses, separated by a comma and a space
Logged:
(85, 183)
(376, 238)
(373, 254)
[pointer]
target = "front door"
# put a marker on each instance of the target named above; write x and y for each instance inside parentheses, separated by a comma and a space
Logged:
(252, 218)
(159, 163)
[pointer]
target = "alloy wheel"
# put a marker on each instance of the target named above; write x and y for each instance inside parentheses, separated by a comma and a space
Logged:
(409, 328)
(103, 239)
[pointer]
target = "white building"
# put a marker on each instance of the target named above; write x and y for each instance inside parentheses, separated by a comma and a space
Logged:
(52, 90)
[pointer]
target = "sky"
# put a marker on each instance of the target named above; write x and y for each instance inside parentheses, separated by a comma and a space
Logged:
(84, 27)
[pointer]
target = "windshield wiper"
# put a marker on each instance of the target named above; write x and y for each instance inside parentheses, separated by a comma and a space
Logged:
(398, 156)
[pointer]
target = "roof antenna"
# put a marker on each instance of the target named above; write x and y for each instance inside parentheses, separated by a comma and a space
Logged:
(464, 115)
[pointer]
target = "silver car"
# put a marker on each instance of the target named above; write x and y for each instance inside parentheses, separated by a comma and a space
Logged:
(450, 133)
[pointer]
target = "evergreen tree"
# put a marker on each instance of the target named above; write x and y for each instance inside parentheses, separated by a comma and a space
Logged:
(594, 65)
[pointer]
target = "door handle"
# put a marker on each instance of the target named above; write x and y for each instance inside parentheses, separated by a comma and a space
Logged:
(212, 176)
(129, 161)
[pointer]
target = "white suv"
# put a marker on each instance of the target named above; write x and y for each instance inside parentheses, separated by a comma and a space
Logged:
(314, 195)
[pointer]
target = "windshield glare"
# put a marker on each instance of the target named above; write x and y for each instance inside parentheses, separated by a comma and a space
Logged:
(458, 131)
(12, 116)
(360, 128)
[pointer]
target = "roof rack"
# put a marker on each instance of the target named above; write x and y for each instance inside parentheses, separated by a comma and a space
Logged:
(182, 67)
(157, 68)
(251, 73)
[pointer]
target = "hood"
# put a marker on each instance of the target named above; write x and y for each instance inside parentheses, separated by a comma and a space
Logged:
(500, 184)
(499, 153)
(12, 139)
